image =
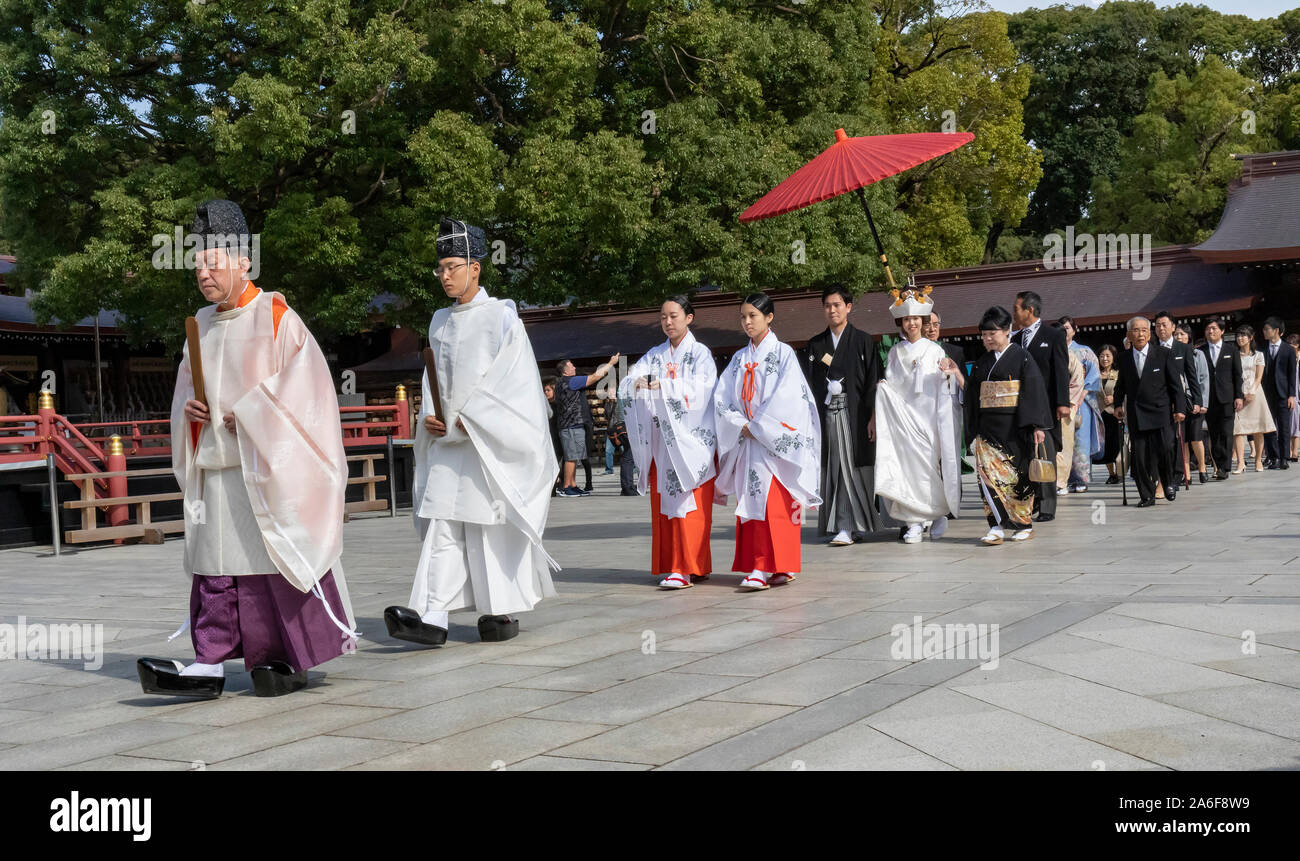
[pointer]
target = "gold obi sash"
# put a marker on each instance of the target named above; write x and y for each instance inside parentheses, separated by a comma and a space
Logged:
(999, 394)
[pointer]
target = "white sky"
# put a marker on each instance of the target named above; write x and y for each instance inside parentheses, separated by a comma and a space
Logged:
(1253, 8)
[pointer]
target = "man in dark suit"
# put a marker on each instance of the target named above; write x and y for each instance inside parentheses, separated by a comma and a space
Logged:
(1149, 394)
(843, 368)
(1163, 325)
(1047, 347)
(932, 330)
(1279, 391)
(1226, 397)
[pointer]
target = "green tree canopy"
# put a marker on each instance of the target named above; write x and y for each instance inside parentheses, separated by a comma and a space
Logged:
(1175, 168)
(608, 146)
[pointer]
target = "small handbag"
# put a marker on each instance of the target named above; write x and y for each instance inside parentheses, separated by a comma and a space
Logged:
(1042, 470)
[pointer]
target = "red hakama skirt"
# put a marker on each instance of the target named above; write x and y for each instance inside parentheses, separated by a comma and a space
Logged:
(680, 545)
(772, 544)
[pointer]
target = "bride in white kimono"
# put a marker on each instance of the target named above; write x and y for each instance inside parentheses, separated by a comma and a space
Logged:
(667, 399)
(918, 473)
(769, 449)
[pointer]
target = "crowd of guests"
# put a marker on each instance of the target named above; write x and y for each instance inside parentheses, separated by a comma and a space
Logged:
(1255, 384)
(876, 446)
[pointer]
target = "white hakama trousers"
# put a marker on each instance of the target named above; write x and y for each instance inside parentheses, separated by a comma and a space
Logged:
(493, 569)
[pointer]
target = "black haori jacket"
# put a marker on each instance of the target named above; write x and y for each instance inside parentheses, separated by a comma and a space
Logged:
(856, 361)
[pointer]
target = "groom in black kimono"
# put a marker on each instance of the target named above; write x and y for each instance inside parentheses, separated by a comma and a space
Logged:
(842, 368)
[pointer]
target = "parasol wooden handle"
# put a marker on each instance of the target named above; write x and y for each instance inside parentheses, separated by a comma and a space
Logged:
(196, 359)
(431, 369)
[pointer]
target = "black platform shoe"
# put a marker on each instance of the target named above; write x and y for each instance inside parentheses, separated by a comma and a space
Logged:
(495, 629)
(277, 679)
(404, 624)
(163, 676)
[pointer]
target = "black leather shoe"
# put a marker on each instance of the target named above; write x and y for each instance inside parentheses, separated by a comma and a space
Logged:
(403, 623)
(277, 679)
(1114, 479)
(1171, 495)
(1146, 503)
(629, 493)
(163, 676)
(1220, 476)
(1045, 518)
(1281, 464)
(1204, 478)
(497, 629)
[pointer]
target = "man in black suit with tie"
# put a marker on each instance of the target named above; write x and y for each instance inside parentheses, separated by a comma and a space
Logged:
(1048, 348)
(1279, 391)
(1163, 325)
(1149, 394)
(1226, 397)
(843, 368)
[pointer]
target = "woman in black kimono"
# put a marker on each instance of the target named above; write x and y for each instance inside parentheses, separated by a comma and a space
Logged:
(1006, 414)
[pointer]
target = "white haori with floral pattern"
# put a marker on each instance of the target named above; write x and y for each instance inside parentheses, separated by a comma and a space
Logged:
(783, 419)
(673, 424)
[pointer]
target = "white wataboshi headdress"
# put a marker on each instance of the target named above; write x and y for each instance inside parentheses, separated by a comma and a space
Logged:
(912, 303)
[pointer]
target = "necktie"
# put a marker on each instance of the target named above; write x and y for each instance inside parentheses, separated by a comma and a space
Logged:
(1140, 360)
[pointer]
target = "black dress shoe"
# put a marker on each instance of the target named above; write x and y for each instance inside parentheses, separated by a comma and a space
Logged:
(1114, 479)
(1146, 503)
(404, 624)
(163, 676)
(629, 493)
(1220, 476)
(1204, 478)
(277, 679)
(1171, 494)
(1044, 518)
(497, 629)
(1281, 464)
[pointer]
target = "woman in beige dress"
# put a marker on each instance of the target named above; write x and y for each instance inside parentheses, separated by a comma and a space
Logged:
(1254, 419)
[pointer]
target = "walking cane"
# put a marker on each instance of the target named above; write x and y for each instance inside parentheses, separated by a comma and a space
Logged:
(1123, 469)
(1187, 475)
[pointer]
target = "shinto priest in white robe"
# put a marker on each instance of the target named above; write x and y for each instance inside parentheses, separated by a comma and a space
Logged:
(917, 468)
(482, 494)
(268, 499)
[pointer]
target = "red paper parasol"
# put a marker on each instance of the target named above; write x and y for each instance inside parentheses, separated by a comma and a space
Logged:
(850, 164)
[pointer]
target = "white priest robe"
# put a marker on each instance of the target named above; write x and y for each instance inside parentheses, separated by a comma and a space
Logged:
(482, 494)
(765, 388)
(917, 470)
(269, 498)
(672, 425)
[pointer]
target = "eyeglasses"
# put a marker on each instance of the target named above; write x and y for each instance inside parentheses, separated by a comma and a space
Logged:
(444, 271)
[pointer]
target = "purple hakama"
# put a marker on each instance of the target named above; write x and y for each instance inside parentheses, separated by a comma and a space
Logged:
(263, 618)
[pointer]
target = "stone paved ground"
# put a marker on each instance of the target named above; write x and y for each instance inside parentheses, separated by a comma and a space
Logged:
(1124, 644)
